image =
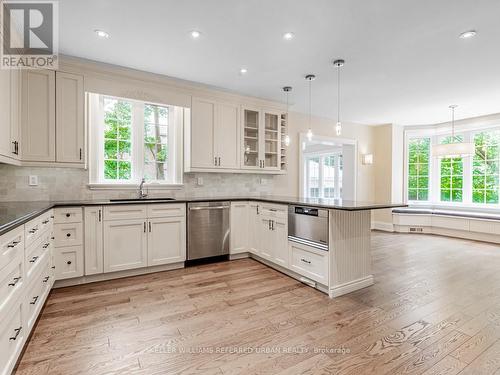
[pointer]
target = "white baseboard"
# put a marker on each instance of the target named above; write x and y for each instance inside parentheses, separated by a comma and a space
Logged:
(351, 286)
(116, 275)
(238, 256)
(382, 225)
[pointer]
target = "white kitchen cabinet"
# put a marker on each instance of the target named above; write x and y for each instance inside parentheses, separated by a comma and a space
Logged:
(272, 234)
(13, 333)
(38, 116)
(264, 238)
(68, 262)
(261, 141)
(70, 130)
(203, 119)
(9, 115)
(309, 262)
(239, 218)
(93, 240)
(214, 136)
(279, 229)
(125, 244)
(253, 227)
(166, 240)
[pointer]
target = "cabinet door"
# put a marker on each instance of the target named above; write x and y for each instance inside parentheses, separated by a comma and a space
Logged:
(5, 113)
(203, 119)
(272, 140)
(253, 227)
(94, 256)
(252, 133)
(68, 262)
(227, 136)
(166, 240)
(70, 131)
(38, 116)
(280, 242)
(239, 228)
(265, 238)
(15, 114)
(125, 244)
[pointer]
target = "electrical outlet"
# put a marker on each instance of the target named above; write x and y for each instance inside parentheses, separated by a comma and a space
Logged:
(199, 181)
(33, 181)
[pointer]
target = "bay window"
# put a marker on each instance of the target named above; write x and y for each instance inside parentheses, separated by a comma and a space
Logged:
(131, 140)
(458, 181)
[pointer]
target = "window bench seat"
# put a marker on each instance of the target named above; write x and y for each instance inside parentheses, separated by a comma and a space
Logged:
(473, 225)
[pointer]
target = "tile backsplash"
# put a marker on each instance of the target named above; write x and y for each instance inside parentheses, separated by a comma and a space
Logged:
(61, 184)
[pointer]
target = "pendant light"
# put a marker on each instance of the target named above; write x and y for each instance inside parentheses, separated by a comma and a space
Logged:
(338, 64)
(310, 78)
(287, 90)
(454, 149)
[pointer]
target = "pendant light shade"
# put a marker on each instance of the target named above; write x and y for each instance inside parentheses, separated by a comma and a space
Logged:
(453, 149)
(338, 64)
(310, 78)
(287, 90)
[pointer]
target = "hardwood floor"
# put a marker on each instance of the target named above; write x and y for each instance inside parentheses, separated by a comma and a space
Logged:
(435, 309)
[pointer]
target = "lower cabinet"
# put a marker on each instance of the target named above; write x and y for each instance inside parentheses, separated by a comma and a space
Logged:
(309, 262)
(68, 262)
(93, 240)
(238, 242)
(166, 240)
(125, 244)
(13, 333)
(253, 228)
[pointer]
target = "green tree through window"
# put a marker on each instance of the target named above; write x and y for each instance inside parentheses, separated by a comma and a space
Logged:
(155, 142)
(452, 171)
(418, 169)
(485, 168)
(117, 139)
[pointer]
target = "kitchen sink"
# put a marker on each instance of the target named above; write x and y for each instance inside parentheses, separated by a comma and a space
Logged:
(140, 199)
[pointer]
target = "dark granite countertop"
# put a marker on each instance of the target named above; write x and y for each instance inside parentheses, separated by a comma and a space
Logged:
(13, 214)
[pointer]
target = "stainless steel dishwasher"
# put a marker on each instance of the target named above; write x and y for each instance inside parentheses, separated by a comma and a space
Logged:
(208, 229)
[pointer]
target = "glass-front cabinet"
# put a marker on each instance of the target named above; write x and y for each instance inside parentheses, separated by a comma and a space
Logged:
(261, 139)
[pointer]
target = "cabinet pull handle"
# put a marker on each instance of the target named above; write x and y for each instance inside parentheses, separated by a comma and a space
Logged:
(46, 245)
(16, 147)
(18, 331)
(99, 215)
(305, 261)
(272, 224)
(149, 223)
(80, 154)
(46, 279)
(33, 230)
(144, 227)
(269, 224)
(16, 280)
(33, 260)
(263, 163)
(215, 160)
(34, 300)
(219, 161)
(12, 244)
(257, 209)
(45, 221)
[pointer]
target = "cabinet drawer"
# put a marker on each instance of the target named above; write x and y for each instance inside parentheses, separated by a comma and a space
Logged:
(11, 283)
(70, 234)
(11, 246)
(68, 262)
(166, 210)
(309, 262)
(274, 210)
(12, 336)
(125, 211)
(34, 299)
(68, 215)
(32, 231)
(46, 221)
(35, 255)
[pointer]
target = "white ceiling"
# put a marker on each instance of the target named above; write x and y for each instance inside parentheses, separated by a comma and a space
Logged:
(404, 61)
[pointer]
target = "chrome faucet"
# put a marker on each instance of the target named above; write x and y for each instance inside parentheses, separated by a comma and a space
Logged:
(142, 194)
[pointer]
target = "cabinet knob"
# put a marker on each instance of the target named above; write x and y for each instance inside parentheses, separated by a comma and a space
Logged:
(68, 215)
(68, 234)
(68, 262)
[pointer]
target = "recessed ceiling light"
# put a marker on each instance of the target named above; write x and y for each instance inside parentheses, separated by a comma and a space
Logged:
(288, 35)
(243, 71)
(102, 34)
(468, 34)
(195, 34)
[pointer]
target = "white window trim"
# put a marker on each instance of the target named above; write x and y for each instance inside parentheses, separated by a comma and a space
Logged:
(435, 133)
(175, 139)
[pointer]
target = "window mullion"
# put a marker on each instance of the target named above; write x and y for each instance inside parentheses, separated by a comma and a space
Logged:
(138, 144)
(467, 173)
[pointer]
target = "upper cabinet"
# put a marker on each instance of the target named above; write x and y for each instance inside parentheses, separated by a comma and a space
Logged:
(41, 118)
(213, 141)
(38, 116)
(9, 115)
(70, 134)
(226, 137)
(261, 140)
